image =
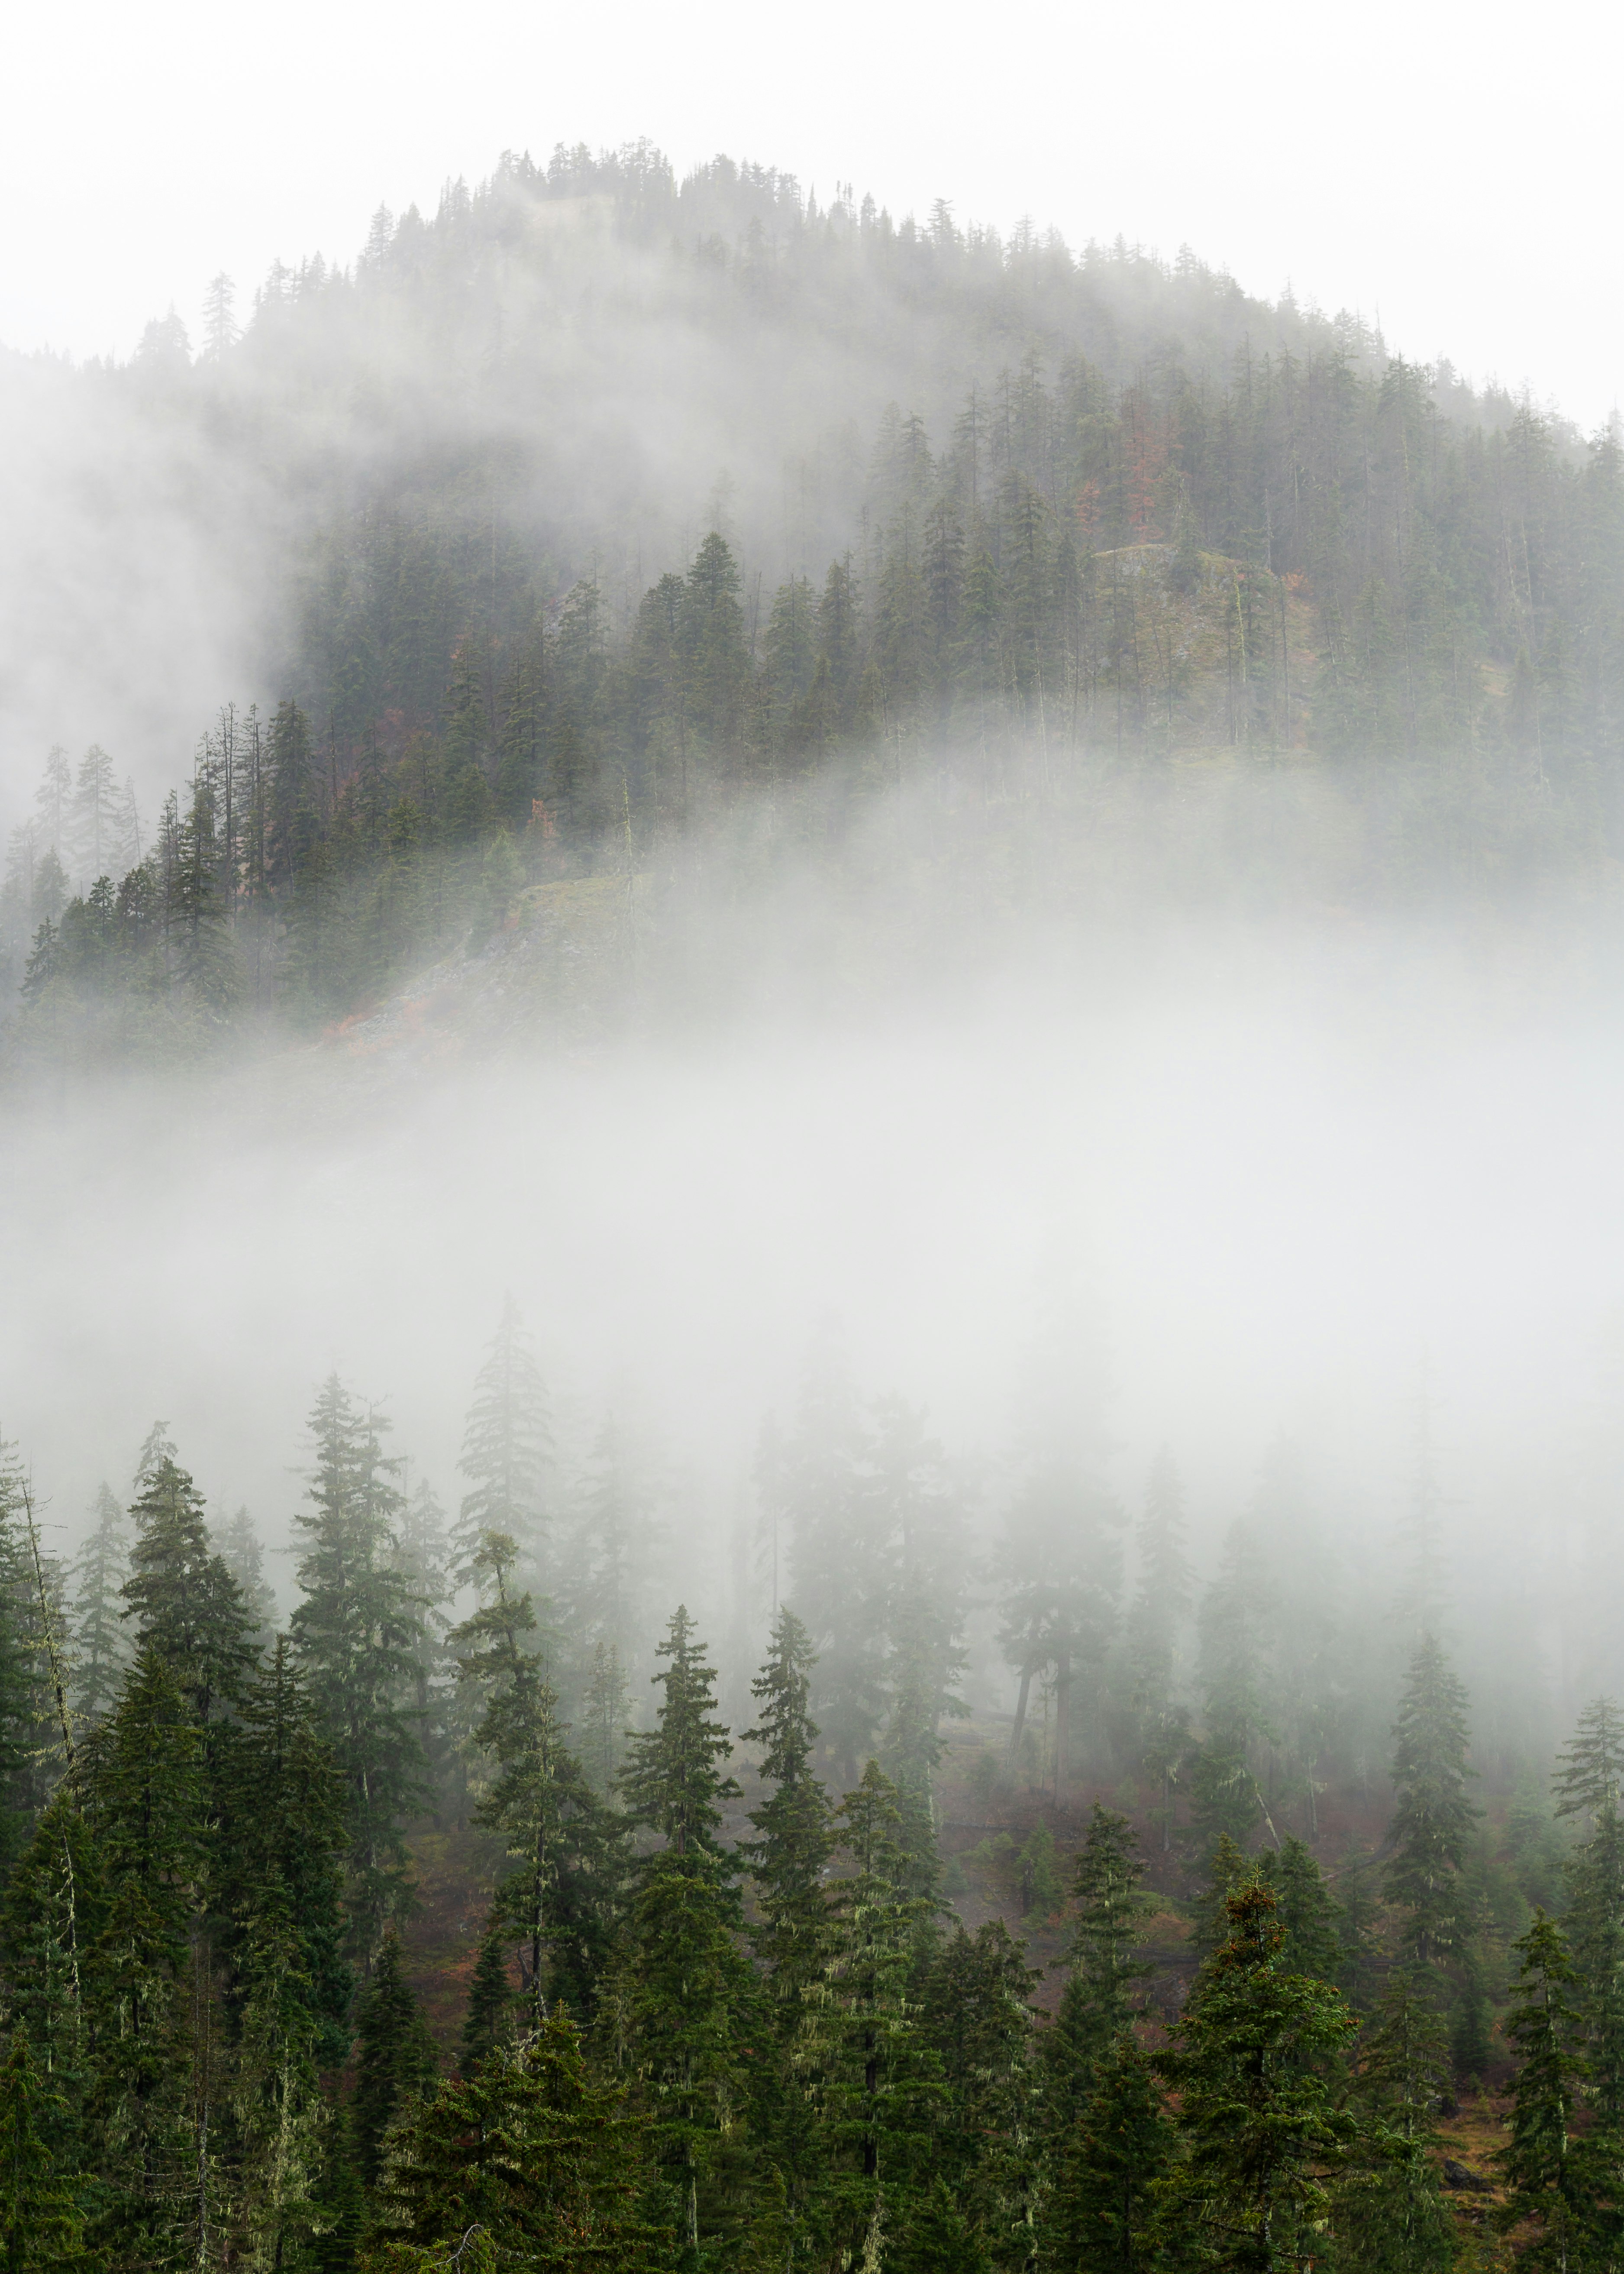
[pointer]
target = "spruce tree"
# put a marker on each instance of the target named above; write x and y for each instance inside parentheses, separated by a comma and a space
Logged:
(242, 1553)
(671, 1780)
(788, 1857)
(1308, 1915)
(394, 2057)
(187, 1608)
(40, 2225)
(101, 1645)
(1431, 1823)
(1588, 1785)
(533, 2157)
(1261, 2132)
(1558, 2182)
(357, 1634)
(1103, 1975)
(1110, 2166)
(507, 1449)
(975, 2015)
(688, 1991)
(874, 2079)
(488, 2022)
(558, 1898)
(1393, 2213)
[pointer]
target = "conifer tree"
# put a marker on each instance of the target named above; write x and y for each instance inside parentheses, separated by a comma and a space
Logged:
(1224, 1791)
(532, 2157)
(1262, 2134)
(1433, 1820)
(975, 2015)
(507, 1449)
(688, 1987)
(1111, 2164)
(40, 2225)
(1551, 2176)
(395, 2063)
(839, 1580)
(1098, 2001)
(101, 1651)
(558, 1898)
(358, 1633)
(488, 2022)
(790, 1854)
(242, 1553)
(873, 2078)
(187, 1608)
(1393, 2214)
(671, 1781)
(603, 1720)
(1308, 1915)
(617, 1543)
(1588, 1785)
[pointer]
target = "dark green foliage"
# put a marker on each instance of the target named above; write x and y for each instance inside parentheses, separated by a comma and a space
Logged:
(671, 1781)
(788, 1857)
(1308, 1915)
(1109, 2167)
(358, 1633)
(489, 2021)
(1261, 2131)
(533, 2158)
(1551, 2176)
(395, 2059)
(185, 1606)
(1392, 2213)
(39, 2222)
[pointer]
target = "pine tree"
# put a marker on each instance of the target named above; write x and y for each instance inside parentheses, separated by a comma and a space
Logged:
(975, 2015)
(39, 2222)
(242, 1552)
(187, 1609)
(1433, 1820)
(873, 2079)
(101, 1649)
(357, 1634)
(1588, 1784)
(1308, 1915)
(1262, 2134)
(788, 1858)
(507, 1449)
(558, 1900)
(839, 1581)
(671, 1781)
(395, 2063)
(1110, 2166)
(1551, 2177)
(488, 2022)
(1393, 2213)
(1099, 1999)
(533, 2157)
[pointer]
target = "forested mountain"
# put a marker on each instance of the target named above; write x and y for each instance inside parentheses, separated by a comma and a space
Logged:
(602, 507)
(751, 1984)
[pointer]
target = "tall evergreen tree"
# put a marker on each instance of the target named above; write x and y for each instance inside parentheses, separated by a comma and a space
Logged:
(790, 1854)
(187, 1608)
(1393, 2213)
(1262, 2133)
(1587, 1783)
(1431, 1822)
(101, 1651)
(394, 2057)
(1553, 2179)
(358, 1633)
(1099, 1999)
(1111, 2166)
(507, 1449)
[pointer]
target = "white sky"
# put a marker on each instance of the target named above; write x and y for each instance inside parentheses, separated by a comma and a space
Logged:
(1454, 171)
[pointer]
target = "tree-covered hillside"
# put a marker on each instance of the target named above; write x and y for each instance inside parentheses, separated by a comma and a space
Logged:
(601, 503)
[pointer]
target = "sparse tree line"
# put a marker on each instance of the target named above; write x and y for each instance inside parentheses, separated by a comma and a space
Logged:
(718, 2020)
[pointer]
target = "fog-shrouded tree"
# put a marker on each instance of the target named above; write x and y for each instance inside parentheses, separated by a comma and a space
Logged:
(790, 1854)
(357, 1631)
(506, 1451)
(1432, 1817)
(101, 1639)
(1587, 1782)
(183, 1604)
